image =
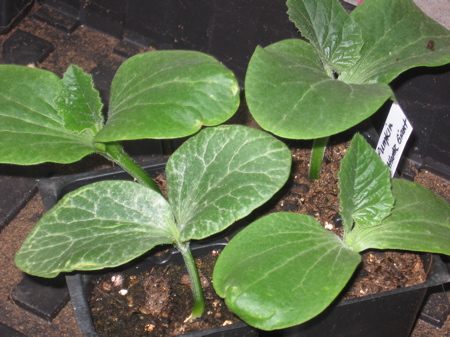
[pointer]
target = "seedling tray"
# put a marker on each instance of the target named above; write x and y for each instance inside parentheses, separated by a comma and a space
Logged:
(11, 12)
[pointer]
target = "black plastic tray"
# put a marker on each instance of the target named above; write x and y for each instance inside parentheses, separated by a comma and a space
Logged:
(11, 11)
(79, 288)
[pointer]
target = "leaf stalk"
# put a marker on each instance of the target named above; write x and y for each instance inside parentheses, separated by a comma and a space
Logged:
(114, 151)
(196, 286)
(318, 150)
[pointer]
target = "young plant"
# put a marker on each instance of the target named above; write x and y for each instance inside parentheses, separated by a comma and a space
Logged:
(160, 94)
(215, 178)
(312, 90)
(285, 268)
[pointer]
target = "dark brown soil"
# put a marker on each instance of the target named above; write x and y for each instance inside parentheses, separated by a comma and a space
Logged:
(156, 303)
(435, 183)
(383, 271)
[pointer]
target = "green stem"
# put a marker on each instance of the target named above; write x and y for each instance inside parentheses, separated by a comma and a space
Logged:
(196, 286)
(318, 150)
(114, 151)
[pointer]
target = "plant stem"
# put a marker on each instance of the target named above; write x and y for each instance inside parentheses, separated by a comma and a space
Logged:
(115, 152)
(318, 149)
(196, 286)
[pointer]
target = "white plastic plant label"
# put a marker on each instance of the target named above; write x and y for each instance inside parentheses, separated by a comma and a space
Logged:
(394, 136)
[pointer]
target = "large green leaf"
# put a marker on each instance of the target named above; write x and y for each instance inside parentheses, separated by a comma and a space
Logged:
(420, 221)
(290, 94)
(165, 94)
(169, 94)
(290, 87)
(282, 270)
(365, 186)
(104, 224)
(32, 130)
(79, 102)
(396, 37)
(334, 34)
(221, 175)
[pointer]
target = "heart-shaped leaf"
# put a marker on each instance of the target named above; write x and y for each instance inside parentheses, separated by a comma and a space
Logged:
(101, 225)
(221, 175)
(397, 36)
(169, 94)
(32, 130)
(334, 34)
(365, 186)
(282, 270)
(290, 94)
(420, 221)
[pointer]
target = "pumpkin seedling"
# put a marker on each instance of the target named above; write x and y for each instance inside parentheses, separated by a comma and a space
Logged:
(160, 94)
(312, 90)
(285, 268)
(214, 179)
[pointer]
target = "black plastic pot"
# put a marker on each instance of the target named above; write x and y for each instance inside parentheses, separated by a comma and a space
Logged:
(11, 11)
(79, 288)
(390, 313)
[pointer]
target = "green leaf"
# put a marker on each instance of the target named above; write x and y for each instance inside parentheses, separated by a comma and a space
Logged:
(282, 270)
(101, 225)
(396, 35)
(334, 34)
(365, 186)
(169, 94)
(221, 175)
(79, 103)
(420, 221)
(290, 87)
(31, 129)
(289, 93)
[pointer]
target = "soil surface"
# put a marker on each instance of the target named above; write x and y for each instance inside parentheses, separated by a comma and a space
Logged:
(157, 302)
